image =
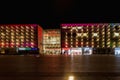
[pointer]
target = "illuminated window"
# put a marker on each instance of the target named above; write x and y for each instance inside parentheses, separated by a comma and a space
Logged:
(97, 39)
(95, 34)
(2, 43)
(103, 39)
(66, 43)
(81, 39)
(78, 34)
(92, 46)
(116, 34)
(65, 27)
(108, 46)
(80, 27)
(87, 43)
(12, 37)
(76, 45)
(85, 34)
(32, 36)
(76, 42)
(22, 40)
(114, 46)
(108, 43)
(21, 37)
(103, 32)
(97, 45)
(3, 34)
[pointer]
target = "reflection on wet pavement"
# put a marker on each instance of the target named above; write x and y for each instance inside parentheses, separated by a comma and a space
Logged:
(60, 67)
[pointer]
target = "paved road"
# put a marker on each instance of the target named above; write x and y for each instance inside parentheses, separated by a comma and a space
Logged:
(60, 67)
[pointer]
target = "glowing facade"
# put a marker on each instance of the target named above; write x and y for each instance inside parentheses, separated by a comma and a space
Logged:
(99, 38)
(18, 39)
(51, 41)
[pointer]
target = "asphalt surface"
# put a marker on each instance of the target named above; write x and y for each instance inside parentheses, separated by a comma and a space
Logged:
(59, 67)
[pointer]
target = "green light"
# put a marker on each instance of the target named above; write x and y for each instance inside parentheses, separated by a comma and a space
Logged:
(28, 49)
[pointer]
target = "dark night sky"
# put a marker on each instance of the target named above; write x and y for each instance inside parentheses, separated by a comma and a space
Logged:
(51, 13)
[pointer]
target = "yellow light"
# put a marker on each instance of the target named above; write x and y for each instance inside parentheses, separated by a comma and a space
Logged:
(92, 42)
(64, 27)
(71, 78)
(113, 46)
(82, 30)
(97, 39)
(102, 39)
(32, 37)
(80, 27)
(76, 42)
(22, 39)
(86, 42)
(66, 40)
(95, 34)
(116, 34)
(79, 34)
(85, 34)
(81, 42)
(17, 43)
(103, 33)
(2, 43)
(92, 46)
(2, 34)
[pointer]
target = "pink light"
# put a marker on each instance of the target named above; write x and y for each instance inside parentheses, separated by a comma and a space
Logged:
(83, 24)
(18, 25)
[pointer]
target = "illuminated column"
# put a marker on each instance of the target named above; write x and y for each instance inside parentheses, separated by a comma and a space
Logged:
(92, 36)
(119, 42)
(97, 35)
(76, 41)
(87, 29)
(71, 40)
(114, 45)
(108, 36)
(113, 36)
(119, 36)
(81, 37)
(66, 40)
(103, 36)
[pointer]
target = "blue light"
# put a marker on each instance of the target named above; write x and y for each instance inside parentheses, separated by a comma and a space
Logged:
(33, 48)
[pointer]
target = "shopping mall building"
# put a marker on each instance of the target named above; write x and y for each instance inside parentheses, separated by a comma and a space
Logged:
(86, 39)
(51, 41)
(76, 39)
(20, 39)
